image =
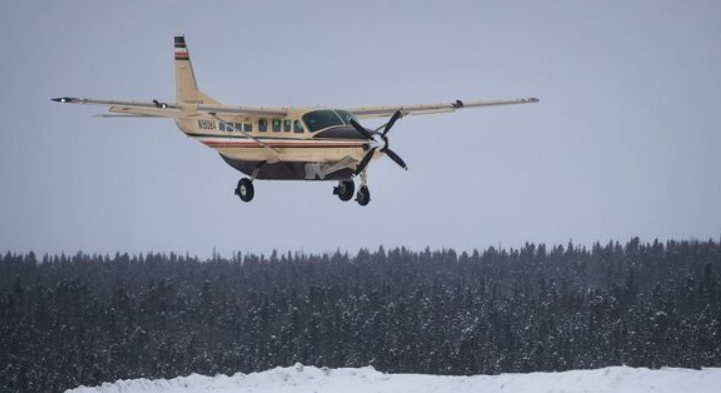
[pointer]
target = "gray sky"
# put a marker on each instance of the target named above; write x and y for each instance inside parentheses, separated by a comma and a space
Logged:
(625, 141)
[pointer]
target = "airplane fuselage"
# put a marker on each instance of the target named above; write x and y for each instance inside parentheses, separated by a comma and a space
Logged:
(290, 148)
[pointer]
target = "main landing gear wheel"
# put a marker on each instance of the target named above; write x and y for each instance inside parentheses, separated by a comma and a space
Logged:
(245, 190)
(344, 190)
(363, 196)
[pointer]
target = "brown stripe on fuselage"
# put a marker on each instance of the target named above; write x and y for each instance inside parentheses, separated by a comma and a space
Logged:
(281, 145)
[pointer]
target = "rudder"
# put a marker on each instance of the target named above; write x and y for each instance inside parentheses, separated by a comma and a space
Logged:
(186, 87)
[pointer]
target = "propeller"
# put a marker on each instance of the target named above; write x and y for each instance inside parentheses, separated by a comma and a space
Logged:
(384, 136)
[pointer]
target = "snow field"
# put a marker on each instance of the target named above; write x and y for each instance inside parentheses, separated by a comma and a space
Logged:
(300, 379)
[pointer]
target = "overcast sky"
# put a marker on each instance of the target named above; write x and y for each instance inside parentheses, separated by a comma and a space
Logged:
(625, 141)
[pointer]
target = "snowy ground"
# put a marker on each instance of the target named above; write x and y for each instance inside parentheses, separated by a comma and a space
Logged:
(352, 380)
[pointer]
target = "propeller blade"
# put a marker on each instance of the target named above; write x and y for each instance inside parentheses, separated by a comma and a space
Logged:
(364, 162)
(361, 129)
(392, 121)
(395, 157)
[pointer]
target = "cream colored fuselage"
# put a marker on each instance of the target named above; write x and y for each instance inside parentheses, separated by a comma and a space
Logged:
(284, 140)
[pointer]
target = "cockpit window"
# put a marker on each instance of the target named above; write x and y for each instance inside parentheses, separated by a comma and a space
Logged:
(345, 116)
(318, 120)
(322, 119)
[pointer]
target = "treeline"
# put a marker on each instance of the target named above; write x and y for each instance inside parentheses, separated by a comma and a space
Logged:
(88, 319)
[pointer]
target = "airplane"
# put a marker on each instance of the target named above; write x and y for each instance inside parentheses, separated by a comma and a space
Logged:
(283, 143)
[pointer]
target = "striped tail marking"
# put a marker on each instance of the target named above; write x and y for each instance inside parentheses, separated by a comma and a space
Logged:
(181, 51)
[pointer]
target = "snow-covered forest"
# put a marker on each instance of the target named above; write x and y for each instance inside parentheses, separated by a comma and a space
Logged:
(88, 319)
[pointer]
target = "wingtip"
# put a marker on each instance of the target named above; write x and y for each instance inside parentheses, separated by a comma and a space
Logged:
(529, 100)
(63, 99)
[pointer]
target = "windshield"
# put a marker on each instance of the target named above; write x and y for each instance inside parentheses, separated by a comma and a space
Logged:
(322, 119)
(345, 116)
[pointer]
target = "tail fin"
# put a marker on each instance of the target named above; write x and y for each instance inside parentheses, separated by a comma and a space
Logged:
(186, 88)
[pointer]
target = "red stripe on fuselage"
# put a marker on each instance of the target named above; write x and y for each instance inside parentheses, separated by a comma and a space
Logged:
(281, 145)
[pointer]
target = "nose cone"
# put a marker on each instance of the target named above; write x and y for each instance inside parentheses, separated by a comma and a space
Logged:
(341, 132)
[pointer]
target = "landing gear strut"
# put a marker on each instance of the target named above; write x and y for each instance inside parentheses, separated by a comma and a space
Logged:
(344, 190)
(363, 197)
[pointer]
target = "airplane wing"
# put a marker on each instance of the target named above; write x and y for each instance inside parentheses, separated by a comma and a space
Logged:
(427, 109)
(172, 110)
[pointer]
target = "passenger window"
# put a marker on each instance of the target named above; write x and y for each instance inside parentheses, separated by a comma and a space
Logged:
(262, 125)
(222, 126)
(298, 127)
(247, 127)
(238, 127)
(287, 125)
(276, 125)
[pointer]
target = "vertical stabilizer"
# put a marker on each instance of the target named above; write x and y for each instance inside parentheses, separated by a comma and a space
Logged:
(186, 88)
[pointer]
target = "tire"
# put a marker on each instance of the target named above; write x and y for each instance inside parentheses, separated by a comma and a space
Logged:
(245, 190)
(363, 197)
(346, 189)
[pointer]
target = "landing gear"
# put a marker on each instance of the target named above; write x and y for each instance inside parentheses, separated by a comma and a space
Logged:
(245, 190)
(344, 190)
(363, 196)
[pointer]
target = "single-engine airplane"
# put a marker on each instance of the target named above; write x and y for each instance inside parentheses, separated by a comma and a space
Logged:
(288, 143)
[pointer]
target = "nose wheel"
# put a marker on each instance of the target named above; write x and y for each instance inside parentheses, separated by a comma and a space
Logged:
(363, 197)
(245, 190)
